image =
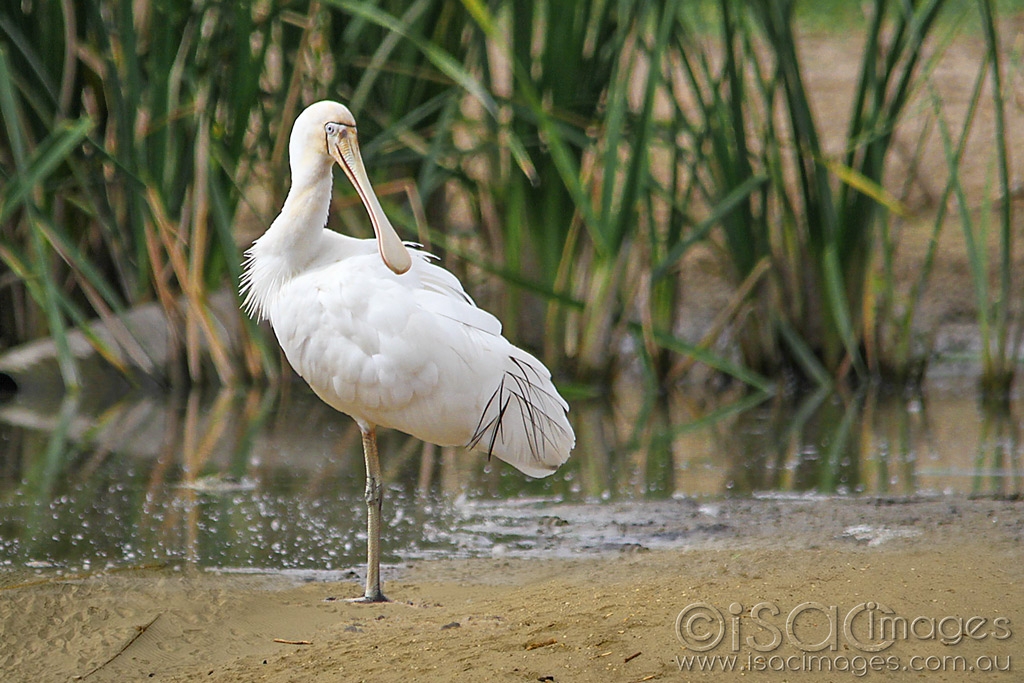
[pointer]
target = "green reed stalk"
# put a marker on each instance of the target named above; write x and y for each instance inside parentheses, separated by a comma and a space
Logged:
(998, 321)
(998, 374)
(547, 120)
(815, 218)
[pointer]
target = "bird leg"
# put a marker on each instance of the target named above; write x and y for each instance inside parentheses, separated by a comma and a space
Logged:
(374, 501)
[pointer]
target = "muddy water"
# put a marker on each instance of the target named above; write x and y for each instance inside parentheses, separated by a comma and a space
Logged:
(262, 481)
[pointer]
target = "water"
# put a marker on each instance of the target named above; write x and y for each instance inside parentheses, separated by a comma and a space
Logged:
(257, 481)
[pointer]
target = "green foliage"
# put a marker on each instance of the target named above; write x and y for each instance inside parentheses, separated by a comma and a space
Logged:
(811, 217)
(122, 137)
(592, 145)
(1000, 322)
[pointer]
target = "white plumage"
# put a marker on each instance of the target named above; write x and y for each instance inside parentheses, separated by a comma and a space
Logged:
(386, 336)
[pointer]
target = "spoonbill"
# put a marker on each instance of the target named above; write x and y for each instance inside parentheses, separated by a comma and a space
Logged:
(386, 336)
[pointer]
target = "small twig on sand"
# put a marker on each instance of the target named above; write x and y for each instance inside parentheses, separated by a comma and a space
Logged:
(293, 642)
(139, 630)
(542, 643)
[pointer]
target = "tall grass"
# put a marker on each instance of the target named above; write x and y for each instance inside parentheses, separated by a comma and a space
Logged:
(585, 213)
(122, 139)
(1000, 321)
(811, 217)
(733, 156)
(590, 146)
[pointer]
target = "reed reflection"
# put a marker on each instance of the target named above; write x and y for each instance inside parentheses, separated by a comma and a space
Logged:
(272, 480)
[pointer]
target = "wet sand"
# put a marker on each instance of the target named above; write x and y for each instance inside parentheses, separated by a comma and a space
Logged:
(945, 572)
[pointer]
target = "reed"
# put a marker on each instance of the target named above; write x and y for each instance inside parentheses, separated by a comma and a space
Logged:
(1000, 321)
(985, 223)
(123, 135)
(810, 216)
(568, 157)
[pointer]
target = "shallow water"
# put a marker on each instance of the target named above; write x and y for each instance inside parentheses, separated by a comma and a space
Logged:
(272, 482)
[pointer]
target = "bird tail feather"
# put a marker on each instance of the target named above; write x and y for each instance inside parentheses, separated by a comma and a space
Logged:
(524, 422)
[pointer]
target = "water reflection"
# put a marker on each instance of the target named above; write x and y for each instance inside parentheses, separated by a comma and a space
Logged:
(255, 479)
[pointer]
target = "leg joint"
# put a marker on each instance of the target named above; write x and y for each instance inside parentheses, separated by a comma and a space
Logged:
(374, 493)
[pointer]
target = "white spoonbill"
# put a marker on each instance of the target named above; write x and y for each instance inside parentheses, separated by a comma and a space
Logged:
(383, 335)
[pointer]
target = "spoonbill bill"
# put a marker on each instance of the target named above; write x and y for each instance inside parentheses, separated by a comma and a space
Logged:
(386, 336)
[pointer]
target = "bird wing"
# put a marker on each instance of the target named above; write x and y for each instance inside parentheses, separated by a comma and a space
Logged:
(441, 293)
(522, 420)
(413, 352)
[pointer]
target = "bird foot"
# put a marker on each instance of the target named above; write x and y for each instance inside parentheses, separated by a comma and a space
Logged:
(369, 598)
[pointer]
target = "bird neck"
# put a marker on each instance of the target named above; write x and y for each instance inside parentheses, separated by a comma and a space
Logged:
(291, 242)
(304, 214)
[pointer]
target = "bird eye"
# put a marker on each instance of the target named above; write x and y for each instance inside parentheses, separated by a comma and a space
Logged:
(332, 128)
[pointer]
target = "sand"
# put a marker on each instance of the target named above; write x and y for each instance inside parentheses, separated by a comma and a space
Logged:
(946, 570)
